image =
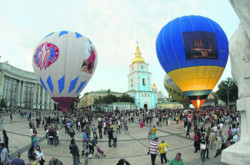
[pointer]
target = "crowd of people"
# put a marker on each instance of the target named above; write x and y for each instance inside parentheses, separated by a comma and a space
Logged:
(207, 125)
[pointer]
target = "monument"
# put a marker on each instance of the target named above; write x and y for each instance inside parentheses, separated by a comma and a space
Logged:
(239, 49)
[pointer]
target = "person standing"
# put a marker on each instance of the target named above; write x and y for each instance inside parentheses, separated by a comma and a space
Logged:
(163, 151)
(153, 148)
(31, 135)
(141, 123)
(153, 132)
(94, 131)
(1, 122)
(177, 160)
(114, 138)
(100, 129)
(11, 116)
(177, 119)
(74, 151)
(17, 160)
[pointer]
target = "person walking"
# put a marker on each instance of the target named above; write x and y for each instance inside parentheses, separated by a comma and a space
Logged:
(55, 161)
(92, 145)
(177, 160)
(40, 155)
(203, 146)
(10, 116)
(17, 160)
(71, 133)
(74, 151)
(196, 141)
(94, 131)
(149, 132)
(6, 140)
(163, 151)
(110, 135)
(4, 155)
(153, 148)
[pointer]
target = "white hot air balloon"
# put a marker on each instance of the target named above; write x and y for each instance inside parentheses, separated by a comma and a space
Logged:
(64, 62)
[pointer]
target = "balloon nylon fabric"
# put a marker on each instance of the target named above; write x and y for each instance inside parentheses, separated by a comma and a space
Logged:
(192, 76)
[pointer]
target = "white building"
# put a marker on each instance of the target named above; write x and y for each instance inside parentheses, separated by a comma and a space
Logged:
(21, 88)
(139, 83)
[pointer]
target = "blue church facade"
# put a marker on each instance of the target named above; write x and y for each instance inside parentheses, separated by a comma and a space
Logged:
(139, 83)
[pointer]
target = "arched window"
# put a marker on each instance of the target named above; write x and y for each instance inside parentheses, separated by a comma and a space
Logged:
(143, 82)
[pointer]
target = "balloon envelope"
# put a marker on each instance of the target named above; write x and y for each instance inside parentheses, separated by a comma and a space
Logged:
(193, 50)
(64, 62)
(175, 91)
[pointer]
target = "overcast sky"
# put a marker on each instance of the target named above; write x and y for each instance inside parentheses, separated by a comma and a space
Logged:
(113, 26)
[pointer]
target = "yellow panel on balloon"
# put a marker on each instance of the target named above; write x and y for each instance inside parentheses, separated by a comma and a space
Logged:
(196, 78)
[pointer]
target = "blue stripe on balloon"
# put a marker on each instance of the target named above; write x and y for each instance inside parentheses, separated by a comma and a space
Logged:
(50, 84)
(49, 34)
(72, 84)
(90, 41)
(197, 93)
(43, 84)
(78, 35)
(61, 84)
(81, 86)
(62, 33)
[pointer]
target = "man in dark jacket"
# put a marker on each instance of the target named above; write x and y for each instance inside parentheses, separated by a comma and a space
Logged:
(110, 135)
(55, 161)
(74, 151)
(100, 129)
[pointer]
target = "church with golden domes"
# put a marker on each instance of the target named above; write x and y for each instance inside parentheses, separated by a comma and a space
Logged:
(139, 83)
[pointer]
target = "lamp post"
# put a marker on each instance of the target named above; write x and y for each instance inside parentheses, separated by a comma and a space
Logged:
(227, 97)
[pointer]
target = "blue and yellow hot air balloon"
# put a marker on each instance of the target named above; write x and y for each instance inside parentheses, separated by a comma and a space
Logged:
(193, 50)
(175, 91)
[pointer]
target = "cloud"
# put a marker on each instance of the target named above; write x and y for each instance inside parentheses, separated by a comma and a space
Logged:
(113, 27)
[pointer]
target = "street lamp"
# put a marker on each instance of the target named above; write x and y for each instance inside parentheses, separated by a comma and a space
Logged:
(227, 97)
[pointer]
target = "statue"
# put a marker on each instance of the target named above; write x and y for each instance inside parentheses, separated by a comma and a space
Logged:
(239, 49)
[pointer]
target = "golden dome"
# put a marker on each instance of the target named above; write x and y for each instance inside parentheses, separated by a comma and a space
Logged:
(154, 86)
(138, 58)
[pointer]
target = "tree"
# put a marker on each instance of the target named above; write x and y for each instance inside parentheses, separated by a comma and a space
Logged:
(3, 103)
(126, 98)
(110, 99)
(228, 91)
(216, 98)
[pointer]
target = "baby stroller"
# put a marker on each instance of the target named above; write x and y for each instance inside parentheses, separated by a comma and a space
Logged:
(85, 148)
(100, 152)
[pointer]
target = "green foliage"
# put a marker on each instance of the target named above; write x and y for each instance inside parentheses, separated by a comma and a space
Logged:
(126, 98)
(216, 98)
(112, 98)
(172, 100)
(86, 93)
(3, 103)
(228, 90)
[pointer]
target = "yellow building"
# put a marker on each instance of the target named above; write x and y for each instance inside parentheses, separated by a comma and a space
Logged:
(87, 101)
